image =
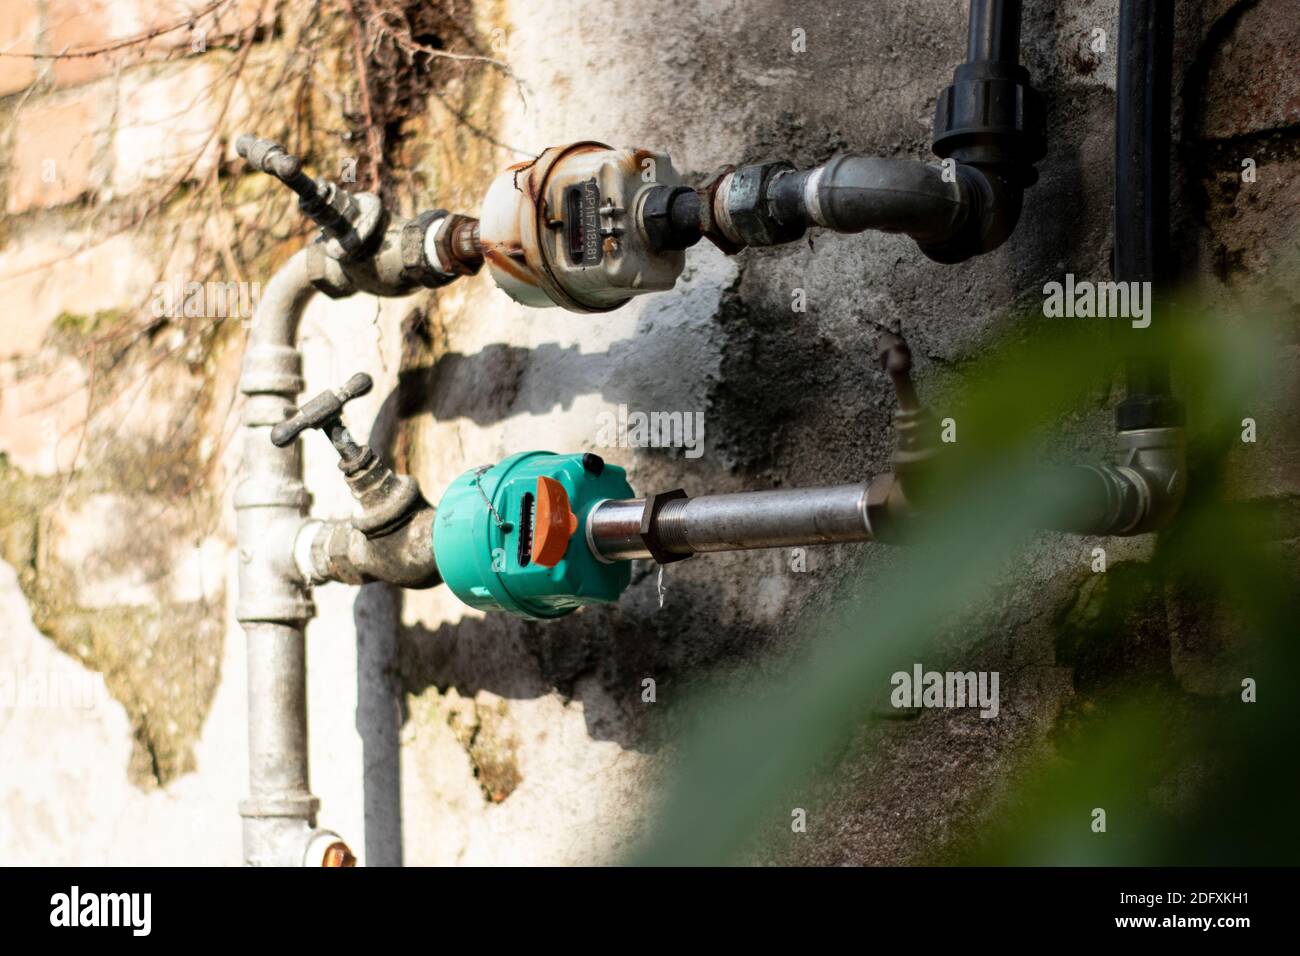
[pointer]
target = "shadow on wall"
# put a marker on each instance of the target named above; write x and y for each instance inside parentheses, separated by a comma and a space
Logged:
(486, 387)
(519, 659)
(697, 629)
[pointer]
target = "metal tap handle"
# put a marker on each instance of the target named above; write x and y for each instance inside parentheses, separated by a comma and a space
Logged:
(331, 208)
(270, 157)
(325, 412)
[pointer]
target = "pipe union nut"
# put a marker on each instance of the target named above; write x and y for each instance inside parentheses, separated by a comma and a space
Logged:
(749, 218)
(416, 267)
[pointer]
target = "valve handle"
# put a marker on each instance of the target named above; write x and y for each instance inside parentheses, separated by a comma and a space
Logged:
(387, 500)
(331, 208)
(267, 156)
(325, 412)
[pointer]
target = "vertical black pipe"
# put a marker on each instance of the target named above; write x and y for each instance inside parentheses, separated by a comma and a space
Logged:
(994, 31)
(1144, 92)
(991, 120)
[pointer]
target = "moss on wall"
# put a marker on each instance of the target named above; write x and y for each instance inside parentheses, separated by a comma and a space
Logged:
(142, 495)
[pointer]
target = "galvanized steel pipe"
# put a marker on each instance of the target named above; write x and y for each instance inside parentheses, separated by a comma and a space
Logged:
(733, 522)
(273, 606)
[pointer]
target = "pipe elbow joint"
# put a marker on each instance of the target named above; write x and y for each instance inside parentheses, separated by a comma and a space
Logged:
(853, 193)
(338, 551)
(954, 211)
(1139, 493)
(993, 198)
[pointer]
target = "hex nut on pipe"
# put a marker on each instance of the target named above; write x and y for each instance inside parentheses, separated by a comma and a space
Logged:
(418, 267)
(748, 219)
(880, 494)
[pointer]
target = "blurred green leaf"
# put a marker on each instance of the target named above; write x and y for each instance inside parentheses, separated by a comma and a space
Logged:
(759, 740)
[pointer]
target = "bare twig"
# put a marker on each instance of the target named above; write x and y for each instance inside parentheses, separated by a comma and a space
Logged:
(373, 144)
(136, 40)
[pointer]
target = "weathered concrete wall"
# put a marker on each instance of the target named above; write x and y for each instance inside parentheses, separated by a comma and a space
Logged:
(440, 735)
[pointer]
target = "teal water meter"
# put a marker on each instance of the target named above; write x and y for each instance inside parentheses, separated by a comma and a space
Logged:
(512, 537)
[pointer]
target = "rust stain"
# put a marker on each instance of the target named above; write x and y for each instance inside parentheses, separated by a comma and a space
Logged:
(508, 262)
(635, 159)
(518, 168)
(533, 185)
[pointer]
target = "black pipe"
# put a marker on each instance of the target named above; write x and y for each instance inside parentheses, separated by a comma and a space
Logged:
(1144, 92)
(994, 31)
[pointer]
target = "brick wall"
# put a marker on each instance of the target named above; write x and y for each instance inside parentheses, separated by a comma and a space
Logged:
(113, 522)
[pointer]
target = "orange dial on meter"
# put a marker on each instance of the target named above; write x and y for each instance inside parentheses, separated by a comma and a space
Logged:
(554, 524)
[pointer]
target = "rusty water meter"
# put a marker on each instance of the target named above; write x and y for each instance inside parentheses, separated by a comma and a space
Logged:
(568, 229)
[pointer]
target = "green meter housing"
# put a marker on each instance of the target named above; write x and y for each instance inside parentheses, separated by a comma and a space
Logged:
(486, 555)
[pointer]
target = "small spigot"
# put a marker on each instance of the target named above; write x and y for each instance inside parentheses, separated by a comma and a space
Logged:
(893, 498)
(896, 360)
(363, 246)
(347, 222)
(913, 422)
(387, 499)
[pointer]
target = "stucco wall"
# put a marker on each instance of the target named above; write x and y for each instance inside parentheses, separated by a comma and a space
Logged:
(440, 735)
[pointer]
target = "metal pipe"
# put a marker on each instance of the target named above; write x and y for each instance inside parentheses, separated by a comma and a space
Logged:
(271, 506)
(270, 502)
(851, 193)
(1140, 493)
(280, 810)
(1090, 499)
(988, 128)
(732, 522)
(393, 543)
(614, 530)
